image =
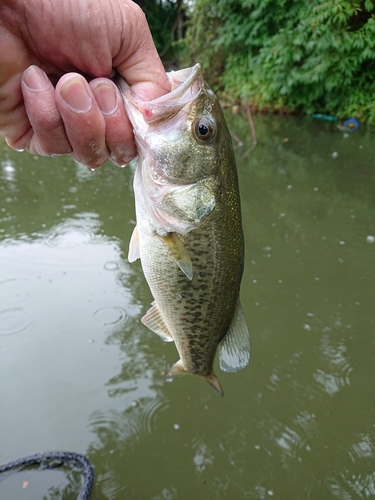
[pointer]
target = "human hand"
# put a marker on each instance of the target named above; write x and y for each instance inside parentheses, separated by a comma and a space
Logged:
(77, 45)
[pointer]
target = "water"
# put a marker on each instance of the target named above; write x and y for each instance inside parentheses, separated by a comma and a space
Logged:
(79, 372)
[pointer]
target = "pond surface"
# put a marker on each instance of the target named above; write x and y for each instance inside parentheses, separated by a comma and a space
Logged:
(79, 372)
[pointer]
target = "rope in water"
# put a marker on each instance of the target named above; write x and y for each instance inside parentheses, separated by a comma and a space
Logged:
(53, 459)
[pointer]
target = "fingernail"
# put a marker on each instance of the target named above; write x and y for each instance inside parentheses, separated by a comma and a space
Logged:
(75, 94)
(107, 99)
(35, 79)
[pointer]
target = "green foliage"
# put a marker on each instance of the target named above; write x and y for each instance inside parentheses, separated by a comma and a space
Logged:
(303, 55)
(201, 39)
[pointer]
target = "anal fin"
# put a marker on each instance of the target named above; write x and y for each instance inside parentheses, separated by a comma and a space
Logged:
(234, 351)
(155, 322)
(178, 369)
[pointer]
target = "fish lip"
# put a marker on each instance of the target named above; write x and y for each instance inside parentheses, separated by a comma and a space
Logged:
(165, 107)
(195, 73)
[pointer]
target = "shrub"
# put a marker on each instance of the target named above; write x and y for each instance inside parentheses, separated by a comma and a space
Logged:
(309, 56)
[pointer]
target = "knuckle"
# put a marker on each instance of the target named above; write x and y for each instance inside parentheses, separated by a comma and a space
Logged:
(50, 142)
(139, 15)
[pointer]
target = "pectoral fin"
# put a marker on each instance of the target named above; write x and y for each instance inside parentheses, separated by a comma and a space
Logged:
(179, 253)
(234, 351)
(155, 322)
(134, 248)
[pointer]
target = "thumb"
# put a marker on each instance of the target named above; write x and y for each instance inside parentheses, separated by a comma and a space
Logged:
(138, 61)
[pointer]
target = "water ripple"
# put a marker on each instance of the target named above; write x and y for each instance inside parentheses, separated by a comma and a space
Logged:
(14, 320)
(307, 422)
(15, 289)
(74, 232)
(115, 427)
(112, 266)
(290, 441)
(111, 315)
(331, 383)
(150, 412)
(360, 485)
(363, 449)
(337, 376)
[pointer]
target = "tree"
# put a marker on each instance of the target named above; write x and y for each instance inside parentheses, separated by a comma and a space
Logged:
(305, 55)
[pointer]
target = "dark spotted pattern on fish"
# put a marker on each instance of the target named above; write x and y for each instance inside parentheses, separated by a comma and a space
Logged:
(189, 233)
(199, 312)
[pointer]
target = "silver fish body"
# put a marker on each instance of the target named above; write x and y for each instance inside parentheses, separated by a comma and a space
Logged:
(189, 233)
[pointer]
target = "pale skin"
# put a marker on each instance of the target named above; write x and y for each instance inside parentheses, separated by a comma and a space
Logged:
(56, 61)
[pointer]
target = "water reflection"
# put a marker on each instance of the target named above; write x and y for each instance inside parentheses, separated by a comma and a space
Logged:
(339, 368)
(8, 173)
(203, 456)
(82, 229)
(364, 448)
(298, 423)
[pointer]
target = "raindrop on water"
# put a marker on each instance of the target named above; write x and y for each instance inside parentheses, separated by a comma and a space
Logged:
(14, 320)
(111, 315)
(15, 289)
(111, 266)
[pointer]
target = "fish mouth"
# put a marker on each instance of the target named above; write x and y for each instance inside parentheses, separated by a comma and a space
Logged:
(186, 86)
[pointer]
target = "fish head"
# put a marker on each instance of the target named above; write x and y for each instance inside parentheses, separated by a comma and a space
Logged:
(179, 141)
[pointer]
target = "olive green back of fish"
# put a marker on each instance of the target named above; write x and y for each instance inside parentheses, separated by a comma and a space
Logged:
(189, 234)
(199, 312)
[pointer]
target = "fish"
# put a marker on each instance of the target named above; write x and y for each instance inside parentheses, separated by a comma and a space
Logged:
(189, 234)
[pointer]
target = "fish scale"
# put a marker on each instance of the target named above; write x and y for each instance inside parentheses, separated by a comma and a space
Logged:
(189, 232)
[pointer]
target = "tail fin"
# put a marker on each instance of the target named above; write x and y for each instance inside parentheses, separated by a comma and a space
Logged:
(178, 369)
(214, 382)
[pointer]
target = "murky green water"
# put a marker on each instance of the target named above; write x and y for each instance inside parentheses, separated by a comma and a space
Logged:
(79, 372)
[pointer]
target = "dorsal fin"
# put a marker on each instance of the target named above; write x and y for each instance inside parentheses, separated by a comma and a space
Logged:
(155, 322)
(234, 351)
(179, 253)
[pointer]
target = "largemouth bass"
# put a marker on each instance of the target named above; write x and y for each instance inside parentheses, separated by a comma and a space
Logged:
(189, 234)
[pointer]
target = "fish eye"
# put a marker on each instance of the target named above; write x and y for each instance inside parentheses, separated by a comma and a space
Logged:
(204, 129)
